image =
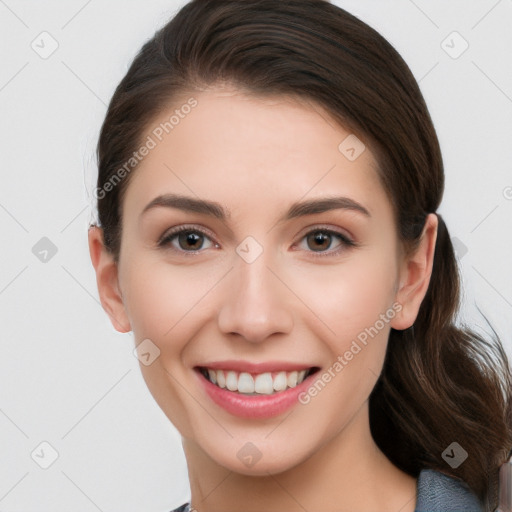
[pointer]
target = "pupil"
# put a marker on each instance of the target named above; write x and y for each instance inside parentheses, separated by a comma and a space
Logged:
(320, 240)
(190, 240)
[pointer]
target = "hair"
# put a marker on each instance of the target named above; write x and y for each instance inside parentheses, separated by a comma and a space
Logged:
(440, 383)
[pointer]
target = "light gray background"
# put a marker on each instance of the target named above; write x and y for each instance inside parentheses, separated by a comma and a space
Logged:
(68, 378)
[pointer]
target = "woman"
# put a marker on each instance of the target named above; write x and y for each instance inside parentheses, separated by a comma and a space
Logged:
(269, 177)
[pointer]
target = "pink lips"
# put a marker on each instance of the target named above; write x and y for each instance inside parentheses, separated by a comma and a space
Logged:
(245, 366)
(253, 406)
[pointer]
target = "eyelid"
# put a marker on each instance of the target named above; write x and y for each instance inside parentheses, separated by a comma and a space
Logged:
(328, 228)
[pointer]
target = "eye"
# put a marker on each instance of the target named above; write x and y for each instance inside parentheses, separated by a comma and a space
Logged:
(322, 241)
(186, 239)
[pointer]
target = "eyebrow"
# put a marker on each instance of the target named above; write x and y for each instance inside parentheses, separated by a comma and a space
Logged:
(213, 209)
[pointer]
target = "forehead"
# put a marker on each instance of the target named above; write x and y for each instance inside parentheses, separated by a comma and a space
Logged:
(245, 150)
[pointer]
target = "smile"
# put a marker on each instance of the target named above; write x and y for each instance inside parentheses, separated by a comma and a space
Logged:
(267, 383)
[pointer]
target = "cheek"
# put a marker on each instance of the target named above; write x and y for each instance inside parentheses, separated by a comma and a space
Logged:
(161, 298)
(351, 298)
(355, 300)
(166, 305)
(365, 294)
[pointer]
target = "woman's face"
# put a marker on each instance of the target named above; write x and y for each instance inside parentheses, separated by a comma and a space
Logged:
(263, 277)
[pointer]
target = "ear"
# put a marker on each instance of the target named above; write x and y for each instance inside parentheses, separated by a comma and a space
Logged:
(415, 275)
(107, 280)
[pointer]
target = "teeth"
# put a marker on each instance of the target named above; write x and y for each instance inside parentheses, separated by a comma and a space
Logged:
(262, 384)
(291, 379)
(221, 379)
(280, 381)
(245, 383)
(231, 381)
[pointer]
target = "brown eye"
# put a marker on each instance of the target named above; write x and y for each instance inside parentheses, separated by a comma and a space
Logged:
(319, 240)
(186, 240)
(325, 242)
(190, 240)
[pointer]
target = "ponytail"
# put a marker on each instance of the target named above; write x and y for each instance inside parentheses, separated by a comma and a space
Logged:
(443, 384)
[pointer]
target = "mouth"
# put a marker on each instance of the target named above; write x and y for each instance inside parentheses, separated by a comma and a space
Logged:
(255, 384)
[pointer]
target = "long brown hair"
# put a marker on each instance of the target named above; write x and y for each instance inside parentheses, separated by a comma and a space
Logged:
(440, 383)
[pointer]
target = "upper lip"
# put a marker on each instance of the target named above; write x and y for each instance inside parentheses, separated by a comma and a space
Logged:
(246, 366)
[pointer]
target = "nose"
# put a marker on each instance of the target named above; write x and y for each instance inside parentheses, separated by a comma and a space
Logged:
(256, 304)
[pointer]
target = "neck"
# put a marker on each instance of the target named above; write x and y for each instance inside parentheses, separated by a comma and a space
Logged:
(348, 472)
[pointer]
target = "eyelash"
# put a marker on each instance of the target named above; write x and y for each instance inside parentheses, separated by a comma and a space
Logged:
(346, 242)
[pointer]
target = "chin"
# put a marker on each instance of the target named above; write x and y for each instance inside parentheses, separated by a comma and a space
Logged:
(266, 458)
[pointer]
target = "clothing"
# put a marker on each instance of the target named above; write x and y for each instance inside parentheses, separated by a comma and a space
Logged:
(436, 492)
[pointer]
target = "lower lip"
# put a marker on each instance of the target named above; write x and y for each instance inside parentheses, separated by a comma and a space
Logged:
(253, 406)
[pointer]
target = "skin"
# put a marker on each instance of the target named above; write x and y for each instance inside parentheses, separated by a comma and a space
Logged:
(255, 156)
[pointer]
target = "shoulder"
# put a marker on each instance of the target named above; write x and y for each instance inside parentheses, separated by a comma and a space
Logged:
(183, 508)
(438, 492)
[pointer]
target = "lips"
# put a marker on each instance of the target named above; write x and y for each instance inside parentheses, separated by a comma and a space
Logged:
(251, 379)
(255, 368)
(266, 403)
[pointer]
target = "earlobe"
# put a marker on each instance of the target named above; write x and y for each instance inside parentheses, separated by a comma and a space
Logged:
(415, 276)
(107, 281)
